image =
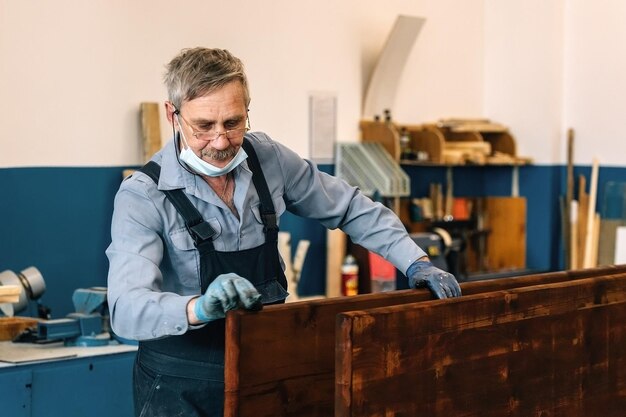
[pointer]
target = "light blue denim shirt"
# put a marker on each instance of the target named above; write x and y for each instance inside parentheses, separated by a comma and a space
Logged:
(154, 268)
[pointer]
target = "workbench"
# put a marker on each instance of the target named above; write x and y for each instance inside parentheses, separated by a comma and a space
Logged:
(53, 380)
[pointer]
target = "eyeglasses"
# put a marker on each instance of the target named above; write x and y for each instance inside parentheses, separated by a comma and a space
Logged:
(208, 135)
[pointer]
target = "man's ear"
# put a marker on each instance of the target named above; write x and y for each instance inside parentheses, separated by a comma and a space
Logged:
(170, 110)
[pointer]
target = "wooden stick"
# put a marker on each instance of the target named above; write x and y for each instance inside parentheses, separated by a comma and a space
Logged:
(449, 194)
(583, 203)
(573, 259)
(595, 241)
(569, 195)
(593, 187)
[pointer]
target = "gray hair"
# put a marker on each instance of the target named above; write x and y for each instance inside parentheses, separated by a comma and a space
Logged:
(197, 71)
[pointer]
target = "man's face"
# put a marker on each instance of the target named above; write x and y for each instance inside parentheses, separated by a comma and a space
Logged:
(216, 112)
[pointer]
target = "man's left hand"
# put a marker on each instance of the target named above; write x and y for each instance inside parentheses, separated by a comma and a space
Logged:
(442, 284)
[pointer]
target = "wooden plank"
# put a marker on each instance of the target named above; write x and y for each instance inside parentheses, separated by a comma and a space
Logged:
(10, 293)
(573, 225)
(583, 208)
(547, 350)
(150, 129)
(150, 133)
(280, 361)
(505, 218)
(335, 253)
(10, 290)
(608, 233)
(588, 260)
(595, 240)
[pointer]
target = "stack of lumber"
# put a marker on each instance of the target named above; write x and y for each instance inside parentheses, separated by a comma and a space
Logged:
(590, 239)
(477, 141)
(584, 226)
(466, 152)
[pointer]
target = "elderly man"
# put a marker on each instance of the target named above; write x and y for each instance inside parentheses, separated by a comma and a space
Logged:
(194, 234)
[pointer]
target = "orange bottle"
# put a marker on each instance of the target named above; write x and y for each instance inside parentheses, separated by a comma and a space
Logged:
(349, 276)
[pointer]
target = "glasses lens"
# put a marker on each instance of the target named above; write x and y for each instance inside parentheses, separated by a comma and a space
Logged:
(229, 134)
(235, 133)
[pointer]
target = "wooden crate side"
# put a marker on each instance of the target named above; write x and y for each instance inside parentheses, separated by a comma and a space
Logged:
(556, 350)
(281, 361)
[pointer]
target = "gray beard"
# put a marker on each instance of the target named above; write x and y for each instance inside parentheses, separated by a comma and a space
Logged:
(222, 155)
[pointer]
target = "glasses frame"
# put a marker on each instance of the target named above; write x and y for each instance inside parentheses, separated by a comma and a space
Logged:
(230, 134)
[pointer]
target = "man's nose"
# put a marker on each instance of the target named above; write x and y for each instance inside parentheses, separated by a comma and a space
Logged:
(221, 142)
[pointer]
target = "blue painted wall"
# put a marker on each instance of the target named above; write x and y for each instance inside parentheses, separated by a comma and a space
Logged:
(57, 219)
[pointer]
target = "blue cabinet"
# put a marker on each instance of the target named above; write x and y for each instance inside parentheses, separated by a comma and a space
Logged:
(85, 386)
(15, 392)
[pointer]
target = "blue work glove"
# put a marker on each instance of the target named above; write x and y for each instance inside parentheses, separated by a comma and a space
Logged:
(226, 292)
(441, 284)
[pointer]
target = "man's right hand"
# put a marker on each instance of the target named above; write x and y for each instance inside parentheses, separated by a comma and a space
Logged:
(226, 292)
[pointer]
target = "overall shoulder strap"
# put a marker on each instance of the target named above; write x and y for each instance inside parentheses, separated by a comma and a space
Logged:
(268, 214)
(199, 230)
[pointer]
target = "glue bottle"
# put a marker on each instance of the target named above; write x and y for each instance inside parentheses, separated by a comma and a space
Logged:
(349, 276)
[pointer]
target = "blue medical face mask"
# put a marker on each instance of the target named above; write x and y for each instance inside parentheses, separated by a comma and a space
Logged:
(202, 167)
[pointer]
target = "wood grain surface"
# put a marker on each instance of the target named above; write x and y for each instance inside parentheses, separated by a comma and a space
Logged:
(547, 350)
(281, 361)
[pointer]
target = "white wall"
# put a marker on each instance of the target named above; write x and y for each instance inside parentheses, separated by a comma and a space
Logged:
(72, 73)
(595, 79)
(524, 73)
(554, 65)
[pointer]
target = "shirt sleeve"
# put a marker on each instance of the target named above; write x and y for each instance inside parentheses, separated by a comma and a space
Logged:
(139, 310)
(336, 204)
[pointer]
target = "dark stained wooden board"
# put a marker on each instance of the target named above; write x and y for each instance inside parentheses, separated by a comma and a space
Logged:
(281, 361)
(548, 350)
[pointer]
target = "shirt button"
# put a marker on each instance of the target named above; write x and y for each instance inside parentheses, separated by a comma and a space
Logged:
(179, 327)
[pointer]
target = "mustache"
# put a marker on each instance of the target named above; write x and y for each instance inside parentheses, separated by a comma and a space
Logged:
(219, 155)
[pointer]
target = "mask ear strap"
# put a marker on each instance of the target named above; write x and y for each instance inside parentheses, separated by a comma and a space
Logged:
(176, 133)
(176, 113)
